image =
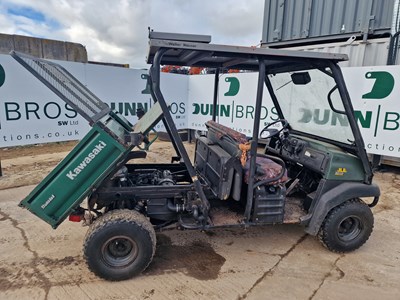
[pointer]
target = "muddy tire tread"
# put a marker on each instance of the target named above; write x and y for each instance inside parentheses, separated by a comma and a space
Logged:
(322, 234)
(119, 216)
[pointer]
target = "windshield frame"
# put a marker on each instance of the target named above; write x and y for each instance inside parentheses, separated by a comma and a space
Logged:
(350, 147)
(357, 147)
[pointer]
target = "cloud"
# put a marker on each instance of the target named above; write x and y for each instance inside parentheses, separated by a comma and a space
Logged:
(116, 31)
(228, 21)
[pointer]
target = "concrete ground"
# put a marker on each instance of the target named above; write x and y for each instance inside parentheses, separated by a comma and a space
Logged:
(275, 262)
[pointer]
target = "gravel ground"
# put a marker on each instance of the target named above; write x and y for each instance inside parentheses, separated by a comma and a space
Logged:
(273, 262)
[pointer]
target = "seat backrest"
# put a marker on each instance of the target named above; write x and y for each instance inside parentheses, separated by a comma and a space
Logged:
(214, 165)
(227, 138)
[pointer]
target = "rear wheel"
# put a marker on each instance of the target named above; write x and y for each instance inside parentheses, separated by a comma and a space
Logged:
(347, 227)
(119, 245)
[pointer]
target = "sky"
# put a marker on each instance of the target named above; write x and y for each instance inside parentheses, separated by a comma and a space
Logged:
(116, 31)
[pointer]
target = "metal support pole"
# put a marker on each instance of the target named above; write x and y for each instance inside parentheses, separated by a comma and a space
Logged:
(254, 141)
(171, 128)
(215, 99)
(359, 142)
(393, 49)
(163, 119)
(376, 162)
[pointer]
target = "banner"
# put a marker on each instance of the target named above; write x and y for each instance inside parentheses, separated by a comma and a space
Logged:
(236, 102)
(374, 91)
(30, 113)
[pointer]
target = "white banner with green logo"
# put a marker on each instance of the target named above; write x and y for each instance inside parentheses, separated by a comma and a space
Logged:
(236, 100)
(31, 114)
(373, 92)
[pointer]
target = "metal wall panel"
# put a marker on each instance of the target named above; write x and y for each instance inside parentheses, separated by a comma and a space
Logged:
(372, 53)
(294, 20)
(43, 48)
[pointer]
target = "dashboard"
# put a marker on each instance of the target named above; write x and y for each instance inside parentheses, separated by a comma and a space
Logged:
(300, 151)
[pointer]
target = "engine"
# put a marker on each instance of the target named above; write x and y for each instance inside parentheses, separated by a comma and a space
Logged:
(158, 209)
(144, 177)
(156, 177)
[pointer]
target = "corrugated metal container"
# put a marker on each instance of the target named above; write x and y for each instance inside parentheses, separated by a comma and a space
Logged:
(374, 52)
(295, 20)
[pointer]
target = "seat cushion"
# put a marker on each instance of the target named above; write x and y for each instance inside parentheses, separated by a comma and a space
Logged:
(266, 169)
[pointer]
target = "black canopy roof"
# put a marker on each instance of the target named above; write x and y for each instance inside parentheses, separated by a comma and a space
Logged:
(196, 50)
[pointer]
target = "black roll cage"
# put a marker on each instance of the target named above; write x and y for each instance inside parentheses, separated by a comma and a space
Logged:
(195, 50)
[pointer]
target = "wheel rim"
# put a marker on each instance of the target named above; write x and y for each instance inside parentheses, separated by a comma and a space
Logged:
(119, 251)
(349, 228)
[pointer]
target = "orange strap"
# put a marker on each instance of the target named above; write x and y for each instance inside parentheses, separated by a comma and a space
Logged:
(245, 148)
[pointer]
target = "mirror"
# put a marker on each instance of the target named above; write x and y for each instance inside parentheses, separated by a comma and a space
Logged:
(301, 78)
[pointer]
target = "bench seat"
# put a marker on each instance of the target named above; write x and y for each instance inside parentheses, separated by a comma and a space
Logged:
(234, 142)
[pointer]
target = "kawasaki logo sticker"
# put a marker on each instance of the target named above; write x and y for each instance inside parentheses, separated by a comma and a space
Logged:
(87, 160)
(2, 75)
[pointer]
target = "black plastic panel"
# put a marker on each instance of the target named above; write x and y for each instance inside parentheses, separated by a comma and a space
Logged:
(211, 162)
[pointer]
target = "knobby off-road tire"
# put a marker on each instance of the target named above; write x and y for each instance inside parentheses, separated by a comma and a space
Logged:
(119, 245)
(347, 226)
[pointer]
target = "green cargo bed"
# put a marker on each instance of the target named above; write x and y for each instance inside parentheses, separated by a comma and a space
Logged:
(84, 168)
(100, 153)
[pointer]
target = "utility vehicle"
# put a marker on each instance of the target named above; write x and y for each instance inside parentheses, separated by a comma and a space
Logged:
(309, 174)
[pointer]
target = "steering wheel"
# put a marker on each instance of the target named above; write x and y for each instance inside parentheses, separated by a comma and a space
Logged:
(269, 132)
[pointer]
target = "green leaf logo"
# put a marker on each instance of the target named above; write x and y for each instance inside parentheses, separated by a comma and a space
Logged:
(2, 75)
(233, 86)
(383, 86)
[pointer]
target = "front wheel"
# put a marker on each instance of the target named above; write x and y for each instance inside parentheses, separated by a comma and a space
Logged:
(347, 226)
(119, 245)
